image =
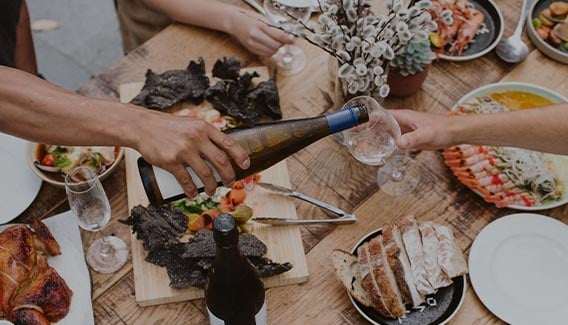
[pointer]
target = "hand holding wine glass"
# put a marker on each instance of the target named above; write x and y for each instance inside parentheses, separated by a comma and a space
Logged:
(374, 143)
(290, 59)
(91, 208)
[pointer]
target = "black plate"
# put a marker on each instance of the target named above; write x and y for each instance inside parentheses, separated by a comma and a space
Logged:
(484, 43)
(439, 308)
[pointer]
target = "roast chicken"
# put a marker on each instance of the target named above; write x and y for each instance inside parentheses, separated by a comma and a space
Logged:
(31, 291)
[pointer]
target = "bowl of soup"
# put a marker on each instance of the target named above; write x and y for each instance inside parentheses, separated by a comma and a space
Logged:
(52, 162)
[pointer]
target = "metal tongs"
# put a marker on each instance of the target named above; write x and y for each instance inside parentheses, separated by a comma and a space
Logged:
(343, 217)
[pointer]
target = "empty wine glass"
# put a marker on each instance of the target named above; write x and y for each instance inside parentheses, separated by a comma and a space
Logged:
(290, 59)
(91, 208)
(374, 143)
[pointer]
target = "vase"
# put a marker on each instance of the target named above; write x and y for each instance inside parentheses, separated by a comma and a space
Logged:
(402, 86)
(339, 93)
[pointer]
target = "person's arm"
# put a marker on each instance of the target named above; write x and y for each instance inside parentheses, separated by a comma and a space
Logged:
(36, 110)
(542, 129)
(256, 36)
(24, 53)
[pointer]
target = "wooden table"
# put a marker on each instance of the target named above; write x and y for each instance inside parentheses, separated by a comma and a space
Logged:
(324, 170)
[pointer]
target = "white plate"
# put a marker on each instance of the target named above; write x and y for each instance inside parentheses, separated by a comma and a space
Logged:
(517, 267)
(560, 162)
(72, 267)
(59, 180)
(18, 184)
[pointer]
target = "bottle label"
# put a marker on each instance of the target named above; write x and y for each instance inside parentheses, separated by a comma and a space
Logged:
(342, 120)
(169, 186)
(260, 317)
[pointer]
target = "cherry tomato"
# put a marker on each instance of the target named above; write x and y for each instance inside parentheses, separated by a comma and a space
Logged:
(48, 160)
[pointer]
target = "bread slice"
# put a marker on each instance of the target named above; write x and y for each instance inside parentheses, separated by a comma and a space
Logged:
(348, 272)
(369, 282)
(415, 251)
(400, 265)
(435, 275)
(385, 277)
(450, 256)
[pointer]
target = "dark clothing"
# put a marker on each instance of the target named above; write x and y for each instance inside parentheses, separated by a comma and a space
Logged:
(9, 17)
(138, 22)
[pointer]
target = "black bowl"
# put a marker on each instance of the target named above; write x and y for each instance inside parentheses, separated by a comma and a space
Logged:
(483, 43)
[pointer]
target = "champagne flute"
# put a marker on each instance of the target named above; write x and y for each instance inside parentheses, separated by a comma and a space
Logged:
(91, 208)
(290, 59)
(374, 143)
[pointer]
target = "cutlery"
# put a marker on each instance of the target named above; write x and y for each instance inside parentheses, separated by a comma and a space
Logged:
(255, 5)
(282, 221)
(513, 49)
(281, 190)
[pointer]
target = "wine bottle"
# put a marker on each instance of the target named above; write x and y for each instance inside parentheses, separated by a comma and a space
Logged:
(266, 144)
(234, 293)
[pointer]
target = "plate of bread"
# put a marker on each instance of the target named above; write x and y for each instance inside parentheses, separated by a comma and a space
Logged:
(404, 273)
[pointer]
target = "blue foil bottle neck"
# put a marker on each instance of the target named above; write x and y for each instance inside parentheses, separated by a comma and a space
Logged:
(346, 118)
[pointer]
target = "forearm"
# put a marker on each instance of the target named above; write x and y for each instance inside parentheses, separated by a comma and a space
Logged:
(543, 129)
(32, 108)
(210, 14)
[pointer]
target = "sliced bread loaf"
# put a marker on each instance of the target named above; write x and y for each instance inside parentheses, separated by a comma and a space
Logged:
(413, 245)
(436, 277)
(450, 256)
(385, 278)
(399, 263)
(369, 281)
(348, 272)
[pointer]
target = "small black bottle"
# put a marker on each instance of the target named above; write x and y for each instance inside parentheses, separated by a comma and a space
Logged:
(234, 293)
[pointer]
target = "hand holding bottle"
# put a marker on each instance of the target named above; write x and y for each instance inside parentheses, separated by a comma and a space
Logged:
(174, 142)
(266, 144)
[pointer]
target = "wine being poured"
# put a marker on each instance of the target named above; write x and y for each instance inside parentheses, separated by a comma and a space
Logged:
(374, 143)
(266, 144)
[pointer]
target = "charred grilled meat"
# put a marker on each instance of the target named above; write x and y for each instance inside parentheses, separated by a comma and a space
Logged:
(232, 95)
(157, 226)
(161, 91)
(187, 264)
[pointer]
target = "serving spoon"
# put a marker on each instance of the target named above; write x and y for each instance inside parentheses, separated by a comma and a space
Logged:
(513, 49)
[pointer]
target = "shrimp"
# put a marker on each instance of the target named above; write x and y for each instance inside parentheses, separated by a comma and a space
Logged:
(468, 161)
(472, 22)
(487, 165)
(464, 151)
(524, 199)
(446, 32)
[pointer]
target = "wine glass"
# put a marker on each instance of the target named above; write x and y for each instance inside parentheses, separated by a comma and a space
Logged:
(374, 143)
(91, 208)
(290, 59)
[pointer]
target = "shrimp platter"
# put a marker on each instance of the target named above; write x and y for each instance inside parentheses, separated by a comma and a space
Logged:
(456, 34)
(504, 176)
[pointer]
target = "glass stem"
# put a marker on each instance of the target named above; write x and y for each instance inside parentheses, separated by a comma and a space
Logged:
(397, 173)
(287, 56)
(106, 248)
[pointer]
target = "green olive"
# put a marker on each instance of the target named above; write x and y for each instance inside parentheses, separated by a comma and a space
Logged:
(246, 228)
(242, 214)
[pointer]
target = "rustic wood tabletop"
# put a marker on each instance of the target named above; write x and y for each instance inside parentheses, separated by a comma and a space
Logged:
(324, 170)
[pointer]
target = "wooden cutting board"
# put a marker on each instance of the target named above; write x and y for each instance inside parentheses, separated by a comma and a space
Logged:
(284, 243)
